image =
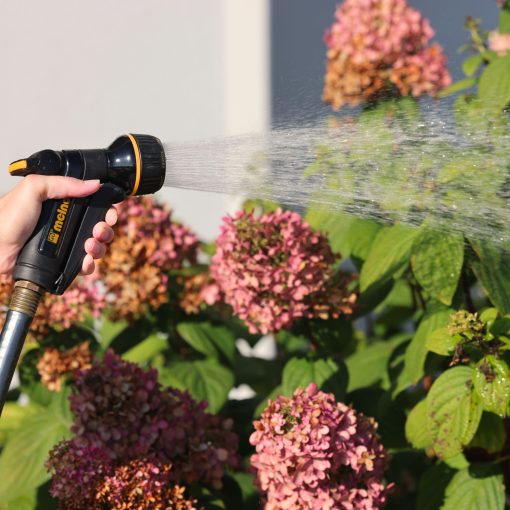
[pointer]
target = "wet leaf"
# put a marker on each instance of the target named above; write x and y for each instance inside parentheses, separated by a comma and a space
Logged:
(492, 383)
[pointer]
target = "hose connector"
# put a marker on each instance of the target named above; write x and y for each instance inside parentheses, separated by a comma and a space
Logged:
(26, 297)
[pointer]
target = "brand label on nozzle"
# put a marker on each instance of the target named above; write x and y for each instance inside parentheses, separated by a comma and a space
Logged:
(50, 242)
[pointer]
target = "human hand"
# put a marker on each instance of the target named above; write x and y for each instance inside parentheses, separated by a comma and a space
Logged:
(21, 207)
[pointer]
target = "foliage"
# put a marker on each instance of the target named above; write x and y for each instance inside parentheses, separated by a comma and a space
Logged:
(403, 322)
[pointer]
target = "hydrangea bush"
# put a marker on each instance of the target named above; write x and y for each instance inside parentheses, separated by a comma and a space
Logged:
(387, 380)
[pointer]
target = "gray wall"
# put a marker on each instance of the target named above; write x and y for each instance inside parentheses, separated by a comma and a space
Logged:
(298, 53)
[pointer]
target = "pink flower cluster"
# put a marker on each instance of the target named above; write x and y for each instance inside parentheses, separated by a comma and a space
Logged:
(500, 43)
(313, 453)
(377, 45)
(122, 411)
(272, 269)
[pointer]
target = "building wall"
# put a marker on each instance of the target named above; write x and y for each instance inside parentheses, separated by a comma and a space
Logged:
(78, 74)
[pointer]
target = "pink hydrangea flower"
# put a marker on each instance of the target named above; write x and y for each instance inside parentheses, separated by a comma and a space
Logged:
(500, 43)
(272, 269)
(368, 39)
(314, 453)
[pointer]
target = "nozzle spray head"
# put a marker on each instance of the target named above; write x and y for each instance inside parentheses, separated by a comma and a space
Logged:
(135, 163)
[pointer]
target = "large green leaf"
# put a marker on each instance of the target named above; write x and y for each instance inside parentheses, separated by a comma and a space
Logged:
(417, 431)
(492, 269)
(389, 253)
(476, 489)
(327, 374)
(27, 501)
(22, 460)
(471, 64)
(494, 87)
(416, 352)
(13, 416)
(492, 383)
(369, 365)
(334, 225)
(437, 260)
(453, 411)
(208, 339)
(441, 342)
(147, 349)
(491, 434)
(204, 379)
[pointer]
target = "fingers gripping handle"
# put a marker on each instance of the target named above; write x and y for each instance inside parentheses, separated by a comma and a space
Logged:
(96, 210)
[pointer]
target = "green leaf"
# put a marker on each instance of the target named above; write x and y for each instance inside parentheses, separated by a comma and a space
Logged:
(110, 330)
(475, 489)
(147, 350)
(441, 342)
(504, 20)
(22, 460)
(359, 238)
(453, 411)
(13, 416)
(491, 434)
(492, 383)
(334, 225)
(417, 431)
(389, 253)
(326, 373)
(204, 379)
(494, 87)
(457, 87)
(437, 260)
(369, 365)
(416, 352)
(432, 487)
(27, 501)
(208, 339)
(492, 268)
(471, 64)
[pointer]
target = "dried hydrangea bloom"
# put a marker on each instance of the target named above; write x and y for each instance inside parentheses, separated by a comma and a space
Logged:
(119, 406)
(500, 43)
(198, 290)
(147, 245)
(378, 47)
(314, 453)
(78, 469)
(54, 365)
(81, 300)
(142, 485)
(274, 269)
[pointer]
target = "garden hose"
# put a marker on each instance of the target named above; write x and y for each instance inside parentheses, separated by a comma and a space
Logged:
(53, 256)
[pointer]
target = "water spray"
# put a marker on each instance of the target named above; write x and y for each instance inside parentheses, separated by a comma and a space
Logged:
(53, 256)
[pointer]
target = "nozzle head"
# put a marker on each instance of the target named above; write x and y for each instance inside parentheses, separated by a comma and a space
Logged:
(153, 164)
(137, 163)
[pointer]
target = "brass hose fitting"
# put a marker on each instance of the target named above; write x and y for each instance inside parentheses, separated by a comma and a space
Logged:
(26, 297)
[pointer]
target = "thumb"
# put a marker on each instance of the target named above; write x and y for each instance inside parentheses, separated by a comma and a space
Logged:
(53, 186)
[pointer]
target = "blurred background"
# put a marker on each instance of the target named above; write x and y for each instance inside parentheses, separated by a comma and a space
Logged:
(78, 74)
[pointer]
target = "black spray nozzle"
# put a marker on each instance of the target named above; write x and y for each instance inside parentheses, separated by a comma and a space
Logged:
(136, 163)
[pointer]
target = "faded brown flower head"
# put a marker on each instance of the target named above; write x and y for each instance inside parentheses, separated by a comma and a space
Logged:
(198, 290)
(55, 364)
(147, 245)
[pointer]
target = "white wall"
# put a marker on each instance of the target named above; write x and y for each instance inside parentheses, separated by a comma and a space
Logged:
(76, 74)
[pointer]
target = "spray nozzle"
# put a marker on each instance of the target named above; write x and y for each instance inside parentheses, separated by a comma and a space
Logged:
(135, 163)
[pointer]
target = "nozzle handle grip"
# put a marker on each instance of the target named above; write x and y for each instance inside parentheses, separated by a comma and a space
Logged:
(98, 205)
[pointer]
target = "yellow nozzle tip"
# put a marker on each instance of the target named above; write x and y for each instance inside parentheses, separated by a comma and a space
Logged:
(17, 166)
